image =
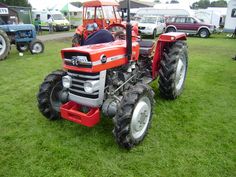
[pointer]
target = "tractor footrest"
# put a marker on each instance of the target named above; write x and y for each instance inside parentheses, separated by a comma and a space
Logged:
(71, 111)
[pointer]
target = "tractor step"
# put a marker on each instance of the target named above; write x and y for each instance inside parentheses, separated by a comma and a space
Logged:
(71, 112)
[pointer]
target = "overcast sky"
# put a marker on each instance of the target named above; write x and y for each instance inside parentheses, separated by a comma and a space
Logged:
(50, 3)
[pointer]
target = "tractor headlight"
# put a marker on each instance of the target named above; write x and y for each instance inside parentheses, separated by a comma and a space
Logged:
(91, 86)
(66, 81)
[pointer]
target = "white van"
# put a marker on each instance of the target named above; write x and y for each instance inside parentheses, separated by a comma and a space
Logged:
(230, 21)
(60, 23)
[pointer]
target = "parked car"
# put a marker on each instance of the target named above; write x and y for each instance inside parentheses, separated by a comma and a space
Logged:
(152, 25)
(189, 25)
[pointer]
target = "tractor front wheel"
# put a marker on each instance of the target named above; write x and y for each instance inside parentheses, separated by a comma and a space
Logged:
(5, 45)
(134, 116)
(173, 69)
(22, 47)
(49, 96)
(36, 46)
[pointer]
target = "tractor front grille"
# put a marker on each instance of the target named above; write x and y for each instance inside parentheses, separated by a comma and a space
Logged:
(24, 34)
(77, 92)
(78, 80)
(72, 59)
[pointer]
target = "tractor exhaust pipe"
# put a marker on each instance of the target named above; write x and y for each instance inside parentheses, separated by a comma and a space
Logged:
(128, 33)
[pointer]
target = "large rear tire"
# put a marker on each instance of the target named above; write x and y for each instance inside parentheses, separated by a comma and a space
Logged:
(134, 116)
(76, 41)
(49, 96)
(5, 45)
(173, 69)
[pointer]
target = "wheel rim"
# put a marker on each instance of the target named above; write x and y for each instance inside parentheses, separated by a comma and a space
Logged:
(140, 118)
(37, 48)
(23, 47)
(55, 96)
(180, 73)
(2, 45)
(203, 33)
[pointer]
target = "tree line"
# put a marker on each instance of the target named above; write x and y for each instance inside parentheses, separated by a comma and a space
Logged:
(22, 3)
(203, 4)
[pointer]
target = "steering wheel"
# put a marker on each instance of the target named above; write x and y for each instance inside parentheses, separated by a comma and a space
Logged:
(117, 30)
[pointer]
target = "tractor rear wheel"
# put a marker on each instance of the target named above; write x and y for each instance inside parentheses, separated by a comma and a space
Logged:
(49, 96)
(134, 116)
(5, 45)
(173, 69)
(22, 47)
(76, 40)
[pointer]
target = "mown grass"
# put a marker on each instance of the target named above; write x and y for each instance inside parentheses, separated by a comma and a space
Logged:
(191, 136)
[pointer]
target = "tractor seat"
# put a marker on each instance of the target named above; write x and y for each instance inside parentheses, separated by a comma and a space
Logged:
(146, 47)
(98, 37)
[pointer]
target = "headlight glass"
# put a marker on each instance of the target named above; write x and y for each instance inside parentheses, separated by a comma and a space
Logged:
(66, 81)
(88, 87)
(91, 86)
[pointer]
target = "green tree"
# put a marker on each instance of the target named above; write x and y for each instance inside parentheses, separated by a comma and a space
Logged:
(219, 3)
(174, 2)
(202, 4)
(77, 4)
(23, 3)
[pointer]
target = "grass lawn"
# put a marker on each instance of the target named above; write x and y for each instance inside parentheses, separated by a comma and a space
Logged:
(194, 135)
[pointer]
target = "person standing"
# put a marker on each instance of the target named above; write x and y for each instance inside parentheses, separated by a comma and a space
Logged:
(37, 23)
(50, 21)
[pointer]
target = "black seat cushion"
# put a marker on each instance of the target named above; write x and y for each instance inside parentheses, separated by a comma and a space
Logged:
(98, 37)
(146, 47)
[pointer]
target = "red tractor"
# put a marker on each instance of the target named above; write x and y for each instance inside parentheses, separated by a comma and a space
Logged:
(112, 77)
(97, 14)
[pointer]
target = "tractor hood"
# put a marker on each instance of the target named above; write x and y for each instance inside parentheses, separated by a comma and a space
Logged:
(97, 57)
(13, 28)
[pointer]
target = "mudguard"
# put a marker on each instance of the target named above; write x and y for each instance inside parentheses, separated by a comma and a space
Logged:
(162, 41)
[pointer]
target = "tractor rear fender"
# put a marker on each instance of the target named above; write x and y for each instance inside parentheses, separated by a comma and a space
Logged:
(163, 40)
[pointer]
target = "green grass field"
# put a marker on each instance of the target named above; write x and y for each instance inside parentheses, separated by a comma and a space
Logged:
(194, 135)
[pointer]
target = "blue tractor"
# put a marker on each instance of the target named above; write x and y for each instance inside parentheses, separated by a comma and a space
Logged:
(23, 36)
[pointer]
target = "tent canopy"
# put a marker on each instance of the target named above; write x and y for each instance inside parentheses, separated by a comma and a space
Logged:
(70, 8)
